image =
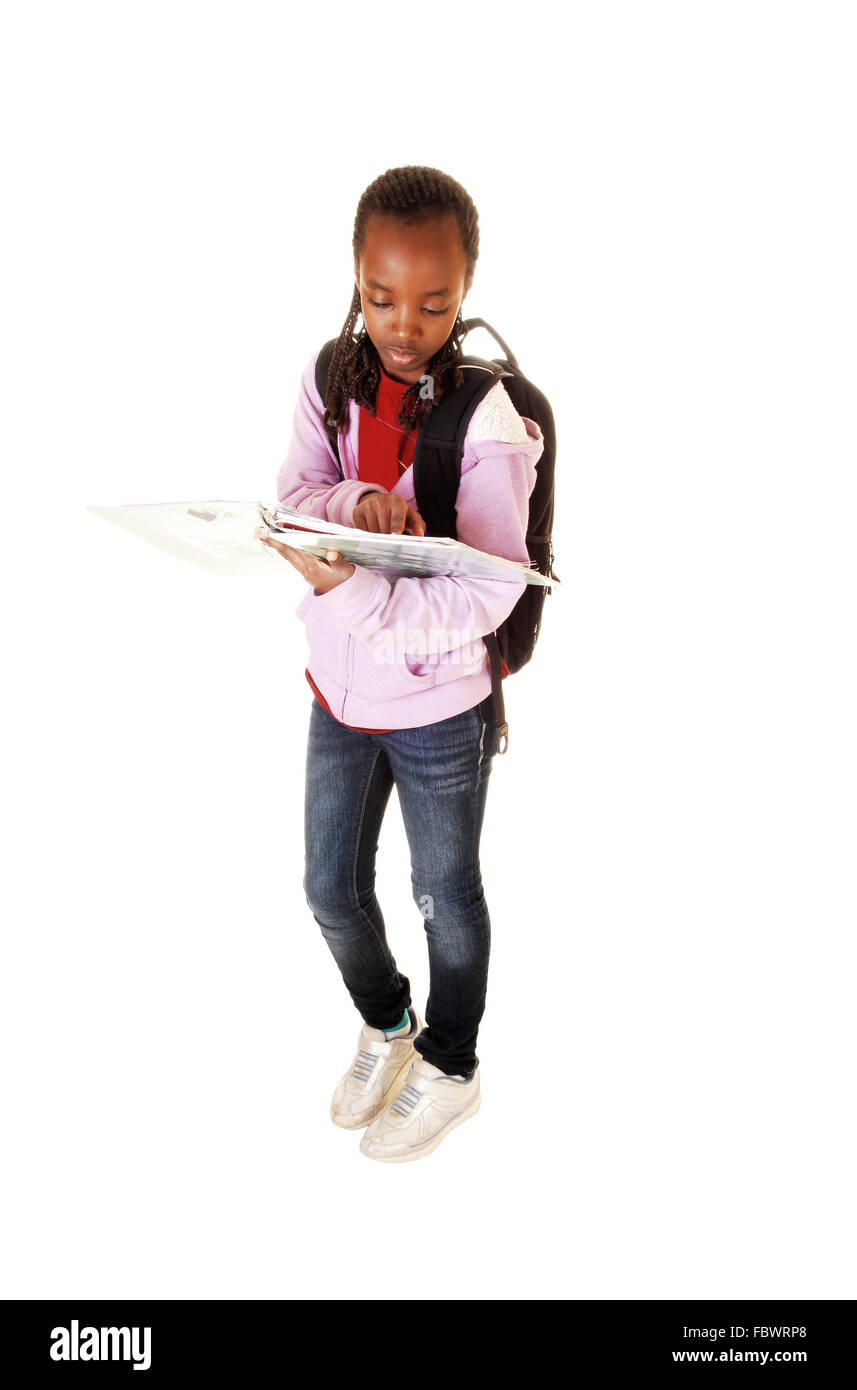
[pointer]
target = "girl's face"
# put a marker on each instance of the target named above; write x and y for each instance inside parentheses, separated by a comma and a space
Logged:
(411, 280)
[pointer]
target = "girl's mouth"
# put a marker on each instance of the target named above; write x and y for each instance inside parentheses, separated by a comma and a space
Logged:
(402, 359)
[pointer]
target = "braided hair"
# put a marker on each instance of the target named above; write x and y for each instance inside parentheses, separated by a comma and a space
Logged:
(413, 193)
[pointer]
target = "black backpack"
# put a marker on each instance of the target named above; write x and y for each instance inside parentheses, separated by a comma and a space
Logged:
(437, 473)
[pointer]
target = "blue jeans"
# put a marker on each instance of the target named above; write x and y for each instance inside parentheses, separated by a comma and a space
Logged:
(441, 774)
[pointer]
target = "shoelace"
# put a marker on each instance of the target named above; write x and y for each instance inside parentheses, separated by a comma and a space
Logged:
(364, 1065)
(405, 1100)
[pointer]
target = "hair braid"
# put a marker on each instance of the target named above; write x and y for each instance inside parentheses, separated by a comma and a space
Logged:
(414, 193)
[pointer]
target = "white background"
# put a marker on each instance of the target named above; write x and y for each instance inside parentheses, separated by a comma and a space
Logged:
(666, 202)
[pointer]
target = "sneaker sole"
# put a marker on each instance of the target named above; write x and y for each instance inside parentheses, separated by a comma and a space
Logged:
(345, 1121)
(430, 1147)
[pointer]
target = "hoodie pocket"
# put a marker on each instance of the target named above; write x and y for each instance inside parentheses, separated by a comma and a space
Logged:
(378, 672)
(382, 670)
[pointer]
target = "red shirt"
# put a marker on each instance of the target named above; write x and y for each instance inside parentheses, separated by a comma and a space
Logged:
(384, 452)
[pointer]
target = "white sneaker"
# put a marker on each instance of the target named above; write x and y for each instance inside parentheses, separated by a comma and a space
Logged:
(429, 1105)
(375, 1075)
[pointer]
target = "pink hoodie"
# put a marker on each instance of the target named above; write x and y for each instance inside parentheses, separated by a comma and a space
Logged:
(399, 652)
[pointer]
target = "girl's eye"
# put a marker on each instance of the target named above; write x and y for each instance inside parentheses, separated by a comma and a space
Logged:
(380, 304)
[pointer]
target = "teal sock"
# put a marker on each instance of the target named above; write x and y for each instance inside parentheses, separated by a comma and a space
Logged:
(405, 1023)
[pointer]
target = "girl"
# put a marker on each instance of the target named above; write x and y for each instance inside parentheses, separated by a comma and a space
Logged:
(423, 719)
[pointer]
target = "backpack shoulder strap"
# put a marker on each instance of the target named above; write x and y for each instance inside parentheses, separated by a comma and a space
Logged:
(322, 372)
(322, 367)
(440, 445)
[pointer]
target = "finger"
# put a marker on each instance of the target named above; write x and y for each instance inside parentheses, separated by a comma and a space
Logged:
(364, 509)
(295, 557)
(415, 521)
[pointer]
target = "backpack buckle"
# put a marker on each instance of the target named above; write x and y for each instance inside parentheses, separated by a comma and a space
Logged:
(502, 733)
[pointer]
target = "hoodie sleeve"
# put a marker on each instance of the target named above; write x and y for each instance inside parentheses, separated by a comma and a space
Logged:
(310, 478)
(492, 508)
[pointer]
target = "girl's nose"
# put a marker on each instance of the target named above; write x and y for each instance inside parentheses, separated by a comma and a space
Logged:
(406, 332)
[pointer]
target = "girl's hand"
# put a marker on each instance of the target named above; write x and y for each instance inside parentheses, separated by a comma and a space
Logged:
(323, 576)
(388, 514)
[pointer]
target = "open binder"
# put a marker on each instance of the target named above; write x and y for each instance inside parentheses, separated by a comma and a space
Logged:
(219, 536)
